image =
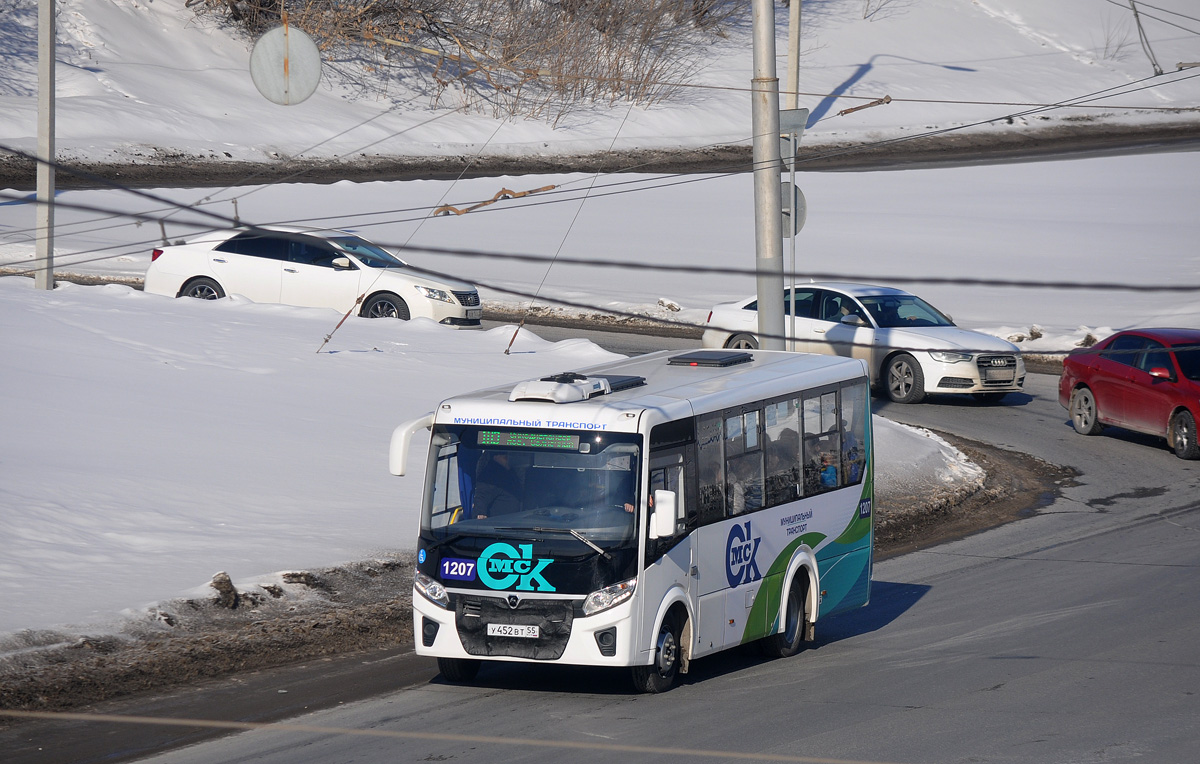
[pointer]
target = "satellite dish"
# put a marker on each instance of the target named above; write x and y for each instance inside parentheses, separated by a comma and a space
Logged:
(285, 65)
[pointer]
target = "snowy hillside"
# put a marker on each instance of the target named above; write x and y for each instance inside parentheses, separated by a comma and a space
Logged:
(146, 80)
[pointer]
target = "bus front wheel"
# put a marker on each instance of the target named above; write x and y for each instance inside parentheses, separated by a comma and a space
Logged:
(458, 670)
(788, 642)
(660, 676)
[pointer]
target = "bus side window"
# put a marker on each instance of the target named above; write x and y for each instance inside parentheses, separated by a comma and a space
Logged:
(710, 464)
(743, 462)
(670, 478)
(446, 506)
(782, 451)
(822, 443)
(854, 412)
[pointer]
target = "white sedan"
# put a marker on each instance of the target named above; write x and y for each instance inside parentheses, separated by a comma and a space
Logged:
(912, 348)
(310, 268)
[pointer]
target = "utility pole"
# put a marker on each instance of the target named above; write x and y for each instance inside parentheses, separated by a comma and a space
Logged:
(768, 223)
(44, 251)
(793, 60)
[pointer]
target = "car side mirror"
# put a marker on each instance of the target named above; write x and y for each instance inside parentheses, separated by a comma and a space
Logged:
(662, 522)
(341, 264)
(853, 320)
(1160, 373)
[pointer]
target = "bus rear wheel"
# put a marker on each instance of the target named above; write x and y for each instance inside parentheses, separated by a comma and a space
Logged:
(788, 642)
(458, 670)
(660, 676)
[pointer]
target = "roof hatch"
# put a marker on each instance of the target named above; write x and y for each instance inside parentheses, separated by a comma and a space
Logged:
(711, 358)
(570, 387)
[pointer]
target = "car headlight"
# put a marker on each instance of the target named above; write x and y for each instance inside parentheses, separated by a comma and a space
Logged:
(609, 597)
(945, 356)
(433, 591)
(440, 295)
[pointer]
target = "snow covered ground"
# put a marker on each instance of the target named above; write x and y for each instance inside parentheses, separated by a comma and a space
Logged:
(150, 443)
(146, 79)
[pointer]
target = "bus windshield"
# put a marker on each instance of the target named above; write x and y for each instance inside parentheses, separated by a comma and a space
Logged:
(559, 485)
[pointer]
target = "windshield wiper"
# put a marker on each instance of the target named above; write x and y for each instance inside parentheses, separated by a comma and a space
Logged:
(448, 540)
(572, 531)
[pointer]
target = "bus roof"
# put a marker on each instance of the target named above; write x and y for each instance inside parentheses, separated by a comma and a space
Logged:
(670, 390)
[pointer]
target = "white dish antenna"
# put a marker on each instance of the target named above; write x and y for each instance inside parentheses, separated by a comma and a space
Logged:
(285, 65)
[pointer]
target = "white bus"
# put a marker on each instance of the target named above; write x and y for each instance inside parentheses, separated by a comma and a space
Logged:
(644, 513)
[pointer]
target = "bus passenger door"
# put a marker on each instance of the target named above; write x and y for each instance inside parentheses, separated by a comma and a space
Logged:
(669, 562)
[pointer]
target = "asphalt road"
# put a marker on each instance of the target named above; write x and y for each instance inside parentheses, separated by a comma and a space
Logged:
(1065, 637)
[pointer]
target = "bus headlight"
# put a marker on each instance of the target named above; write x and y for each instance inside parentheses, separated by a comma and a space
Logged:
(433, 591)
(608, 597)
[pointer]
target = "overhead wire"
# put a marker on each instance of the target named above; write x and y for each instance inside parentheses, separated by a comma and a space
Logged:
(329, 336)
(643, 265)
(642, 317)
(642, 184)
(1125, 6)
(1066, 103)
(562, 242)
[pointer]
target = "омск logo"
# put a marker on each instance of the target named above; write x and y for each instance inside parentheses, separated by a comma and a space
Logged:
(501, 565)
(740, 551)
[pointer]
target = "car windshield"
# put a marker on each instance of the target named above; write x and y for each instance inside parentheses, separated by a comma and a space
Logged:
(1189, 360)
(487, 481)
(891, 311)
(369, 254)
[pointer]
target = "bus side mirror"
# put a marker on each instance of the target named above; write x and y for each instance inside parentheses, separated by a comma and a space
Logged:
(401, 438)
(662, 522)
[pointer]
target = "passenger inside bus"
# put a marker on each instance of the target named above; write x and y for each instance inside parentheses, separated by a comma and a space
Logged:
(783, 456)
(496, 487)
(850, 454)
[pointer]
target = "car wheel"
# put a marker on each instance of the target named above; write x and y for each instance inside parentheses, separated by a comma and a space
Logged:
(660, 676)
(1183, 435)
(458, 670)
(742, 342)
(202, 289)
(905, 380)
(988, 397)
(386, 305)
(1085, 416)
(788, 642)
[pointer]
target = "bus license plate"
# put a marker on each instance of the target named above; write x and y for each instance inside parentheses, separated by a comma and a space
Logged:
(512, 630)
(474, 313)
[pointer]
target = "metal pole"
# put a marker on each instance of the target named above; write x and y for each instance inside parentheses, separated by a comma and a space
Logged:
(793, 62)
(792, 100)
(44, 276)
(768, 223)
(795, 146)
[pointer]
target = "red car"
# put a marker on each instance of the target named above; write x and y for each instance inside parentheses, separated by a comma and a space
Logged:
(1142, 379)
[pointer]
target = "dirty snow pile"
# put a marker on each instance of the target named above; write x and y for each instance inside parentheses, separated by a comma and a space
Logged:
(931, 467)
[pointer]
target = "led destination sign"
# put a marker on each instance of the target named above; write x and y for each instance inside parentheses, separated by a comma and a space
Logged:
(549, 440)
